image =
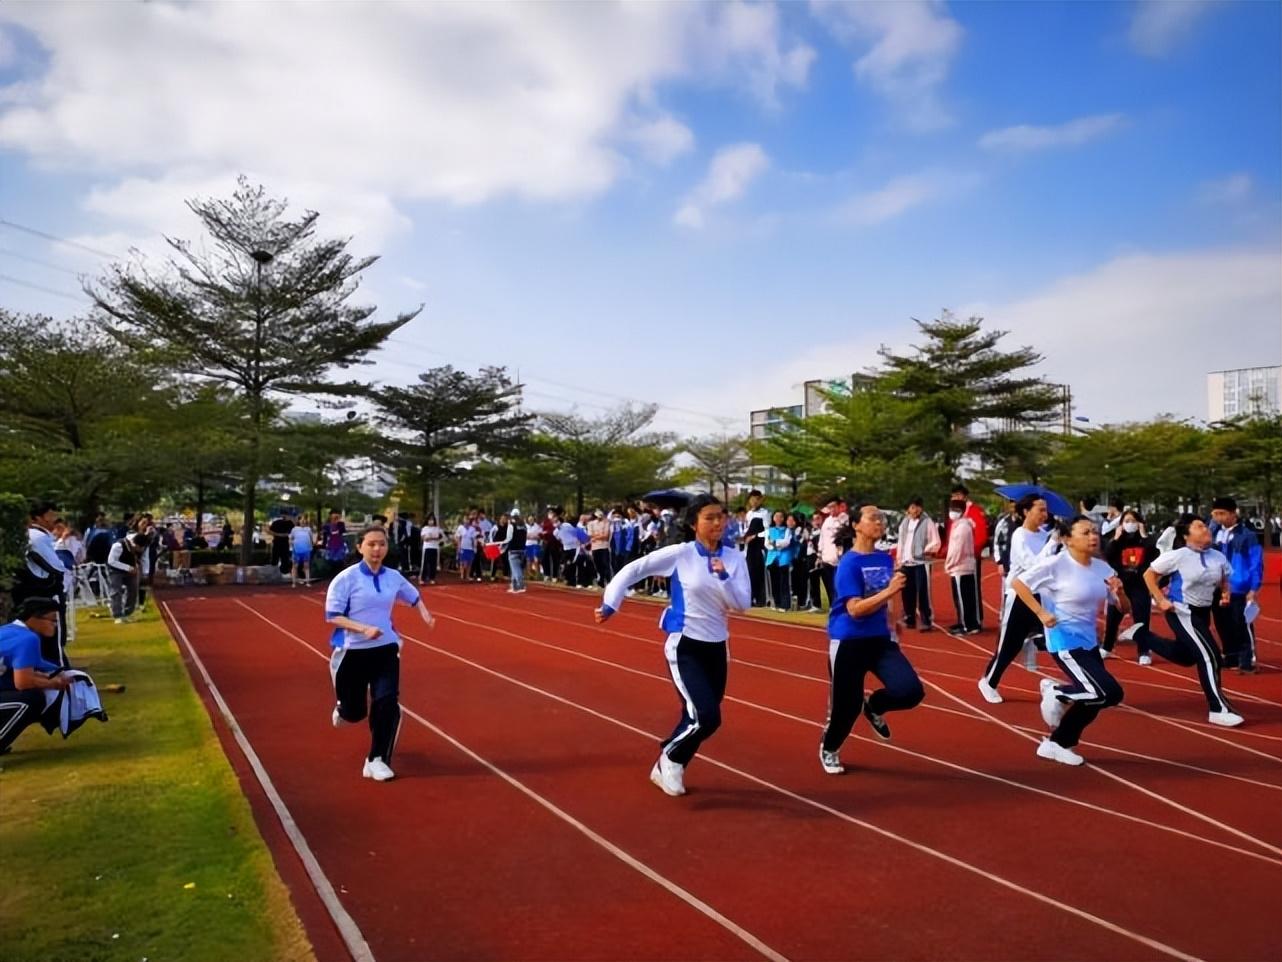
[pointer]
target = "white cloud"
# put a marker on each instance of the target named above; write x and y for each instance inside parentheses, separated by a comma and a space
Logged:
(901, 195)
(1074, 133)
(382, 103)
(1158, 26)
(1228, 191)
(913, 44)
(732, 169)
(1136, 336)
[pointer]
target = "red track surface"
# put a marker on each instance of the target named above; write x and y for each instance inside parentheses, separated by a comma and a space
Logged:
(522, 824)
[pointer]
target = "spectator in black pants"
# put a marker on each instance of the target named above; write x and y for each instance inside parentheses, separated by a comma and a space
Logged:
(918, 543)
(1130, 554)
(280, 528)
(754, 539)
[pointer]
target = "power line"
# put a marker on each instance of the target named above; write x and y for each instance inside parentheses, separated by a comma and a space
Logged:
(56, 239)
(36, 260)
(572, 387)
(43, 289)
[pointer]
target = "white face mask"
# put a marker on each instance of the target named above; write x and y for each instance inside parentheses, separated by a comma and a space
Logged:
(954, 515)
(1130, 527)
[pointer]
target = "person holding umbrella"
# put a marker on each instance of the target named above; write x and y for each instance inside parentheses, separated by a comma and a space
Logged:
(708, 582)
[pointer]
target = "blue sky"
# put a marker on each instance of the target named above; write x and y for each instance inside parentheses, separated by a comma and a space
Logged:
(699, 205)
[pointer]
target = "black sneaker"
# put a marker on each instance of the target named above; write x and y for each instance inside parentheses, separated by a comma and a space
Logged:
(928, 627)
(958, 629)
(909, 624)
(878, 724)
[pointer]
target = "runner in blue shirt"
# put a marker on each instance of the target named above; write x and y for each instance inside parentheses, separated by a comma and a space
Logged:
(860, 641)
(24, 674)
(366, 663)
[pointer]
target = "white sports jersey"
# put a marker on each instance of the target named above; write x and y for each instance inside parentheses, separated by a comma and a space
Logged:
(701, 599)
(1194, 574)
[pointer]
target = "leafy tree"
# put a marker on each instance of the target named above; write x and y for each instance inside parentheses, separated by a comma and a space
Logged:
(448, 418)
(720, 459)
(609, 457)
(959, 378)
(264, 311)
(72, 403)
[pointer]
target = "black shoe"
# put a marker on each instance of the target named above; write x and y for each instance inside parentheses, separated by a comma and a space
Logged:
(958, 629)
(927, 627)
(878, 724)
(1247, 670)
(972, 631)
(910, 624)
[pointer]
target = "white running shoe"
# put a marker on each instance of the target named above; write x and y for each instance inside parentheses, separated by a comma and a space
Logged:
(1058, 753)
(1146, 659)
(1052, 709)
(668, 775)
(377, 769)
(830, 761)
(1106, 653)
(991, 695)
(338, 720)
(1130, 633)
(1228, 719)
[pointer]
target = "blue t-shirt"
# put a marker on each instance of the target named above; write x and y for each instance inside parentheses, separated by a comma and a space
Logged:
(861, 576)
(19, 648)
(369, 598)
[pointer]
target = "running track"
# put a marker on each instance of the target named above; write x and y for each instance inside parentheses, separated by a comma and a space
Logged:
(522, 824)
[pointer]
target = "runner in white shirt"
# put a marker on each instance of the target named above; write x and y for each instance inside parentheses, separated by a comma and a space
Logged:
(1196, 571)
(708, 582)
(1073, 587)
(1018, 621)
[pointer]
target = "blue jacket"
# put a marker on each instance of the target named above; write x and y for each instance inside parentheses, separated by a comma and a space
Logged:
(1246, 558)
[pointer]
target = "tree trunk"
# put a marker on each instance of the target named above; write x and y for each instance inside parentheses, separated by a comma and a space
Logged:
(251, 482)
(200, 505)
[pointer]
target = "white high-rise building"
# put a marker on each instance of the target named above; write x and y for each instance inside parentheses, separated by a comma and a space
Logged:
(1248, 390)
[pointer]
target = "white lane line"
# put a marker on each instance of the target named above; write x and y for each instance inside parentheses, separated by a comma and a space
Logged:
(346, 925)
(524, 612)
(1146, 822)
(636, 864)
(827, 809)
(1192, 690)
(1174, 723)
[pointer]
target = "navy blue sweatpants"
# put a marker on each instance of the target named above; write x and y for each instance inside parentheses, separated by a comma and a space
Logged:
(699, 670)
(373, 674)
(1091, 689)
(849, 661)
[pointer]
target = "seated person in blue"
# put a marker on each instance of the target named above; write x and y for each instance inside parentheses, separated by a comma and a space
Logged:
(24, 674)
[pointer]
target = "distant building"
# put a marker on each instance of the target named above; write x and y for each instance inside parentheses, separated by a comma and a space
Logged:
(1247, 390)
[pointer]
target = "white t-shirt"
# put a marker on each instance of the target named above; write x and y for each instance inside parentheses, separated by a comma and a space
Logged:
(466, 536)
(301, 538)
(432, 537)
(1026, 549)
(1195, 574)
(1074, 593)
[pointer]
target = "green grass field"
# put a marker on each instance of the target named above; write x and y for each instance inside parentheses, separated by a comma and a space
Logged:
(131, 839)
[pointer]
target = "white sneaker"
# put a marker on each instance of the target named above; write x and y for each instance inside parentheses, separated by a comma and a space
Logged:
(338, 720)
(120, 621)
(1146, 659)
(990, 693)
(377, 769)
(668, 775)
(1105, 653)
(1052, 709)
(1058, 753)
(1228, 719)
(831, 762)
(1129, 633)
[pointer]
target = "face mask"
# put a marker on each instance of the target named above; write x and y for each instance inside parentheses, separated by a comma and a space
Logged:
(954, 515)
(1130, 527)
